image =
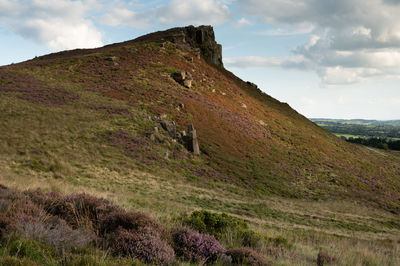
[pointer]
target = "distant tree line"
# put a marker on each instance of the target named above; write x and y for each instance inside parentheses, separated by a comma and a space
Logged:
(381, 129)
(380, 143)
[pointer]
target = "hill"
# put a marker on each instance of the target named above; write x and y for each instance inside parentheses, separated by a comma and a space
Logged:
(109, 121)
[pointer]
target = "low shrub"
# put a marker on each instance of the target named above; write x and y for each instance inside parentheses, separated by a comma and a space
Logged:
(249, 238)
(324, 258)
(278, 241)
(193, 246)
(144, 244)
(213, 223)
(222, 225)
(131, 220)
(246, 256)
(54, 204)
(90, 207)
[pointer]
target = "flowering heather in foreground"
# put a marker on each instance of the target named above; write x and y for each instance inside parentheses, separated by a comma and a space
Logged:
(194, 246)
(144, 244)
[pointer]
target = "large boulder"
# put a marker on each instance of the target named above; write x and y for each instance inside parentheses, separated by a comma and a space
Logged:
(170, 127)
(184, 78)
(191, 140)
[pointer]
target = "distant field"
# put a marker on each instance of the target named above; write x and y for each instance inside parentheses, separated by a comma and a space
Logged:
(361, 128)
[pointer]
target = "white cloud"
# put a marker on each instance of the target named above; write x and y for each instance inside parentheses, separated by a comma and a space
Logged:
(352, 40)
(243, 22)
(57, 24)
(258, 61)
(286, 31)
(195, 12)
(123, 16)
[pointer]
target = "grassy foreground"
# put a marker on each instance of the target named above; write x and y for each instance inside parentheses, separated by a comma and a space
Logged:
(295, 231)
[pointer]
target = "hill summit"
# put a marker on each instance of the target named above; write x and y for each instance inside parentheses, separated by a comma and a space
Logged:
(201, 39)
(129, 105)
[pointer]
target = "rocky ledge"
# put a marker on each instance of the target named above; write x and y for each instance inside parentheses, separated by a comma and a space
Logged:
(201, 38)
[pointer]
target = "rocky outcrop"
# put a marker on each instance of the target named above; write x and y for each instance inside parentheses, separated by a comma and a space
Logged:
(191, 141)
(203, 37)
(200, 38)
(184, 78)
(170, 127)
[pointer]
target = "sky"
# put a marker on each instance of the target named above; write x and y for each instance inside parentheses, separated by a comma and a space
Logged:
(325, 58)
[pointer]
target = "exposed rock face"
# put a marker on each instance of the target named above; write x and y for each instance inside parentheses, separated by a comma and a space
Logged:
(203, 37)
(170, 127)
(191, 140)
(184, 78)
(195, 38)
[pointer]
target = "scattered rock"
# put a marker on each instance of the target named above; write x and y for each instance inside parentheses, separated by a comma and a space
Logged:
(184, 78)
(187, 83)
(244, 106)
(223, 93)
(213, 90)
(112, 58)
(262, 123)
(170, 127)
(180, 106)
(163, 116)
(191, 140)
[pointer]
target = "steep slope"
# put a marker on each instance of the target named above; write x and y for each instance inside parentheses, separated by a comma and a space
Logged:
(65, 114)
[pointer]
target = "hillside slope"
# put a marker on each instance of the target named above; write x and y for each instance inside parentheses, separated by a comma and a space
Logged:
(66, 114)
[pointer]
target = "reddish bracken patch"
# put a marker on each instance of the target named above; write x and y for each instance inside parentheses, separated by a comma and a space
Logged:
(33, 90)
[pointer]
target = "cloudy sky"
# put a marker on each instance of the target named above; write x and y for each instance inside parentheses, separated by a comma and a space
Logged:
(326, 58)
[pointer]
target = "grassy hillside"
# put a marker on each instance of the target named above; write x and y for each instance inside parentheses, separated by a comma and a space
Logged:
(82, 120)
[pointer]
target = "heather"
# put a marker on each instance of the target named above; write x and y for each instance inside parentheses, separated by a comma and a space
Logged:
(52, 228)
(68, 223)
(194, 246)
